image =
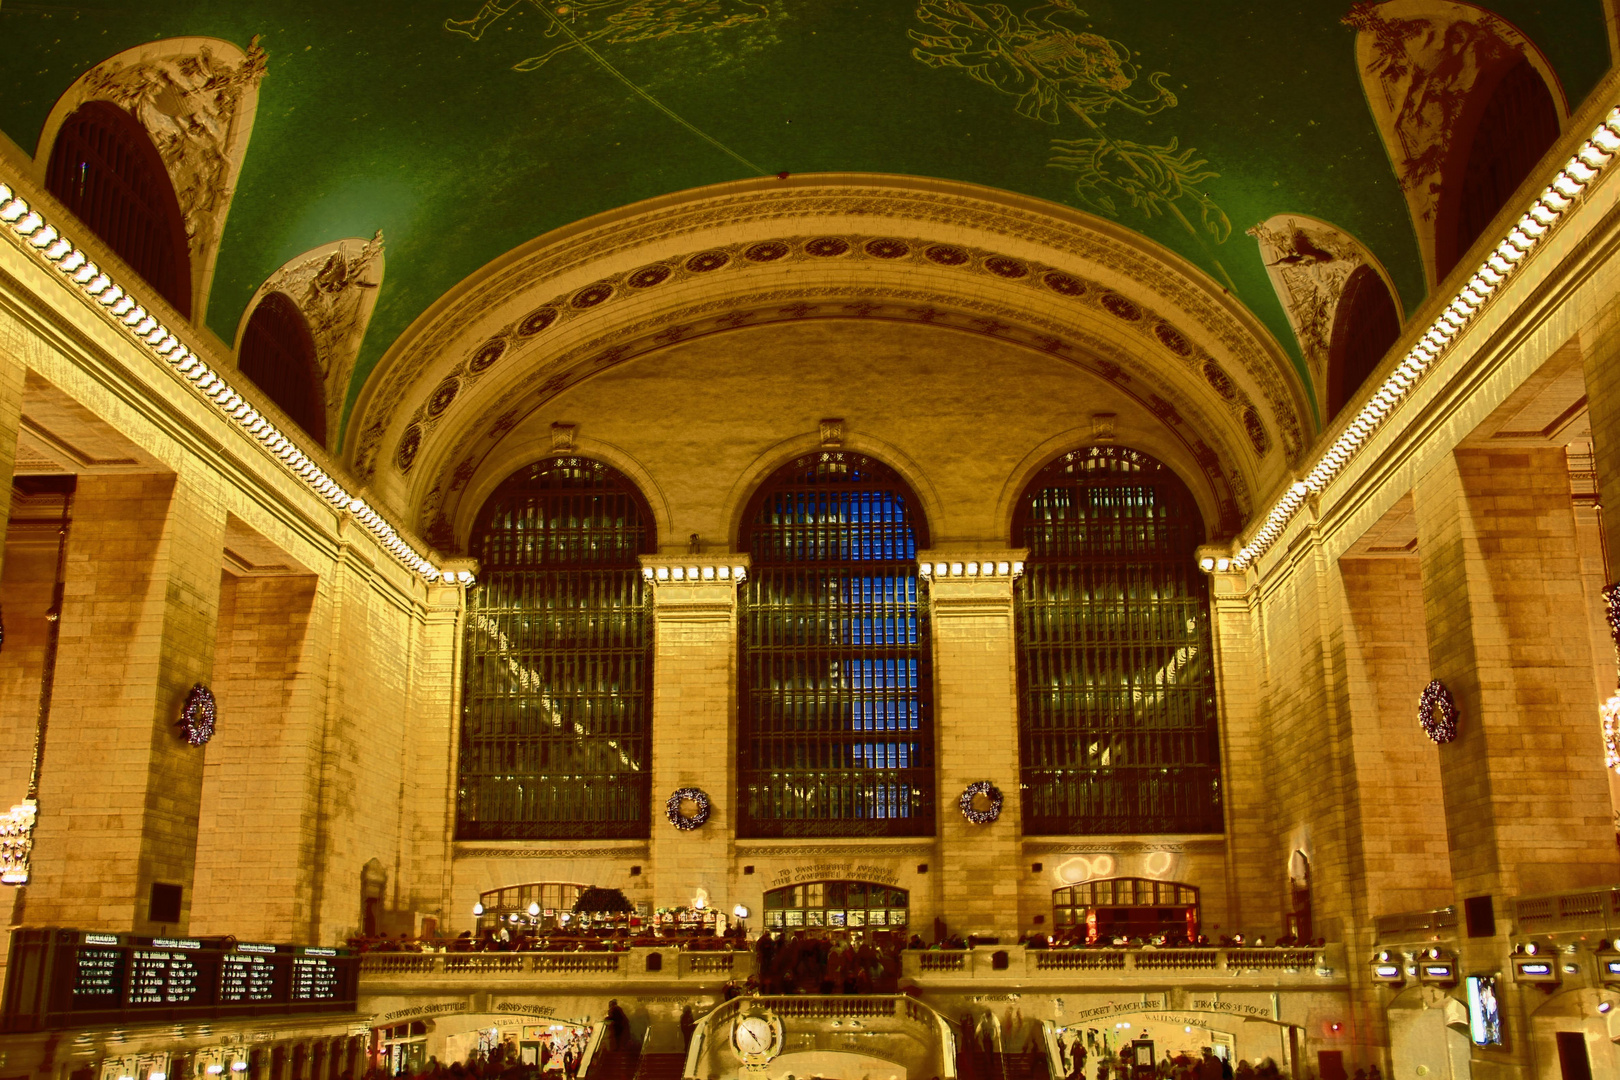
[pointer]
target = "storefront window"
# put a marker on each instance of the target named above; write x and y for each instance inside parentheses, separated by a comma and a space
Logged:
(837, 905)
(1126, 907)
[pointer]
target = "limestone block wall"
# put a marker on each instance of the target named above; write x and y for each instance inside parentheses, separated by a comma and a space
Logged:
(1525, 796)
(255, 842)
(1401, 823)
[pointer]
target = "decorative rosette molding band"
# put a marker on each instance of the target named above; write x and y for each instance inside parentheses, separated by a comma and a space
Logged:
(1590, 162)
(29, 229)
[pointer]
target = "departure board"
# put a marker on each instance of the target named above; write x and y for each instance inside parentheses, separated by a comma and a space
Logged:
(315, 977)
(250, 974)
(167, 976)
(98, 973)
(64, 978)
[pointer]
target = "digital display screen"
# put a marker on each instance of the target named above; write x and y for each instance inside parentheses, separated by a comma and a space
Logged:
(314, 978)
(1536, 969)
(98, 978)
(1612, 966)
(247, 978)
(1387, 971)
(1484, 1015)
(1437, 971)
(163, 977)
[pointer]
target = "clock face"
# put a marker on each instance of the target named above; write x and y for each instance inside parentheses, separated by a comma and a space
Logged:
(757, 1035)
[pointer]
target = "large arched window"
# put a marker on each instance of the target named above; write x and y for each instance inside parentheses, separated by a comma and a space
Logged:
(835, 698)
(278, 354)
(1116, 704)
(105, 170)
(1511, 130)
(1365, 325)
(557, 693)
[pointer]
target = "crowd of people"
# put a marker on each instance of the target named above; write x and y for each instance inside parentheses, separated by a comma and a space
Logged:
(797, 963)
(522, 937)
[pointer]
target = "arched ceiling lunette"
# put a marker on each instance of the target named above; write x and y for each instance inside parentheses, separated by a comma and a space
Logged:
(600, 293)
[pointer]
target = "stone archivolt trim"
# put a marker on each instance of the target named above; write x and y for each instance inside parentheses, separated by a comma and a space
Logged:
(1047, 281)
(1181, 415)
(1129, 257)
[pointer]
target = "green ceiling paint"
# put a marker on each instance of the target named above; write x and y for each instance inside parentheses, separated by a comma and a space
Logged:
(462, 142)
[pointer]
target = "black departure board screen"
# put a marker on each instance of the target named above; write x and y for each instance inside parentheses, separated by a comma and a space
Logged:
(250, 974)
(62, 978)
(169, 972)
(98, 973)
(316, 976)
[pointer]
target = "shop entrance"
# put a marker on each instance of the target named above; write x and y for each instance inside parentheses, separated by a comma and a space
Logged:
(838, 905)
(1129, 908)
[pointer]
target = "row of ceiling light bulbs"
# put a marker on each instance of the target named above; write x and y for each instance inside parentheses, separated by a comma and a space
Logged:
(28, 226)
(1579, 173)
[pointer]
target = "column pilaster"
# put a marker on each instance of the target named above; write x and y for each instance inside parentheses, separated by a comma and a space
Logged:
(976, 726)
(694, 740)
(120, 787)
(1526, 799)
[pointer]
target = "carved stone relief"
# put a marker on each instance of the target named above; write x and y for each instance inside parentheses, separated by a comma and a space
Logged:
(335, 286)
(1419, 61)
(196, 98)
(1309, 262)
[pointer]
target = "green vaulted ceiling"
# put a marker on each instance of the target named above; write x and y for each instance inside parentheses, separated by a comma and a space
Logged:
(462, 131)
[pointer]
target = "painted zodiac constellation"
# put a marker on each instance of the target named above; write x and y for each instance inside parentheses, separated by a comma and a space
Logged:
(583, 23)
(1054, 67)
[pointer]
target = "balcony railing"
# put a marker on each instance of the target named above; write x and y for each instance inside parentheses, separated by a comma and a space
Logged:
(930, 968)
(1017, 964)
(630, 965)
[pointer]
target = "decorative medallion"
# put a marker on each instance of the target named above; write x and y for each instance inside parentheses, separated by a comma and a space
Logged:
(1121, 308)
(443, 395)
(1064, 284)
(198, 716)
(825, 247)
(489, 352)
(648, 276)
(700, 808)
(886, 248)
(946, 255)
(1001, 266)
(704, 261)
(592, 295)
(766, 251)
(536, 321)
(1257, 431)
(409, 444)
(1172, 339)
(1217, 378)
(971, 794)
(1437, 712)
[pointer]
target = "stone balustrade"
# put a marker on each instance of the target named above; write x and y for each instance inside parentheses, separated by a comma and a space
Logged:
(379, 971)
(928, 969)
(1302, 968)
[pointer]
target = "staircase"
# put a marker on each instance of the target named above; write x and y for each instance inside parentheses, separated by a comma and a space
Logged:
(615, 1064)
(1026, 1066)
(661, 1067)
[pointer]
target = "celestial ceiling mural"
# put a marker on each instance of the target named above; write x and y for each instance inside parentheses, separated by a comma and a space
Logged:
(461, 131)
